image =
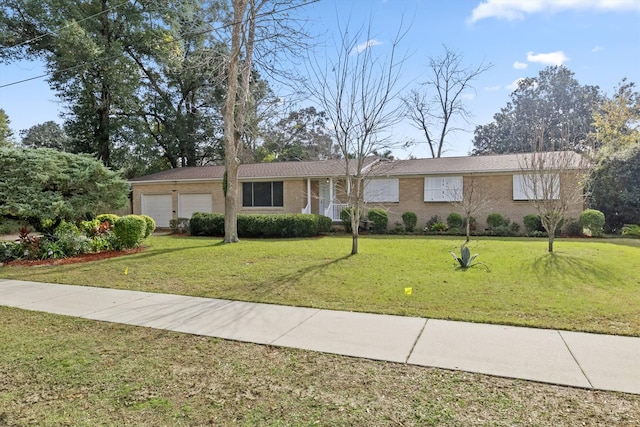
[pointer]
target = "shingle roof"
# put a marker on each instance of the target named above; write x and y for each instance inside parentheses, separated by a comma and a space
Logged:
(473, 164)
(336, 168)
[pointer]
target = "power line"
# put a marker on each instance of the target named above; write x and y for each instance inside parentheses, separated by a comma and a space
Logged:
(164, 42)
(55, 33)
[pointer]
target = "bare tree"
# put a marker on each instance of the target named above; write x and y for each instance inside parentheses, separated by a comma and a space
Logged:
(357, 90)
(472, 198)
(552, 181)
(265, 29)
(434, 105)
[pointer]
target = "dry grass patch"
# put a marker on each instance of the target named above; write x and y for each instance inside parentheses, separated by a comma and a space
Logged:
(59, 371)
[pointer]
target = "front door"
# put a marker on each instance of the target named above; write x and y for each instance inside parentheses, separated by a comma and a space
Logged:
(324, 197)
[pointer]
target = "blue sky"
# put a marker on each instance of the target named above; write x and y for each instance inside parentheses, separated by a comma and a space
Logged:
(599, 40)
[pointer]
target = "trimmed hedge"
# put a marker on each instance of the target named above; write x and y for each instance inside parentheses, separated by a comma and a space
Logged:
(495, 220)
(455, 220)
(593, 220)
(130, 230)
(151, 225)
(532, 223)
(410, 220)
(258, 225)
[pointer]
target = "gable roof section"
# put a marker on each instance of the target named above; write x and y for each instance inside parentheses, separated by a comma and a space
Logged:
(275, 170)
(336, 168)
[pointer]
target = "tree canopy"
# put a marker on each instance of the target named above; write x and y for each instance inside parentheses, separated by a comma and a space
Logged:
(45, 135)
(554, 100)
(47, 185)
(6, 134)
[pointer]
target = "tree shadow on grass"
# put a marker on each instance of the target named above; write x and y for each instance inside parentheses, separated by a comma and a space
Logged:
(554, 265)
(274, 286)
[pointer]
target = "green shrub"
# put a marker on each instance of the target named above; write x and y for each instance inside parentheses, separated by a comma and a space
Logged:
(438, 227)
(110, 218)
(532, 223)
(433, 220)
(496, 220)
(259, 225)
(130, 230)
(410, 220)
(398, 228)
(179, 226)
(454, 220)
(324, 223)
(70, 240)
(345, 217)
(573, 229)
(632, 230)
(593, 220)
(379, 220)
(206, 224)
(151, 225)
(514, 228)
(287, 225)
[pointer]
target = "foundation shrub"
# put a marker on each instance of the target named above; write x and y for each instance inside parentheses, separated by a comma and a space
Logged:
(455, 221)
(573, 228)
(324, 223)
(532, 223)
(379, 220)
(593, 220)
(206, 224)
(410, 220)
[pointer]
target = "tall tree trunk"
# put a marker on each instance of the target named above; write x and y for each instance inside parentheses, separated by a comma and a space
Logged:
(102, 130)
(230, 114)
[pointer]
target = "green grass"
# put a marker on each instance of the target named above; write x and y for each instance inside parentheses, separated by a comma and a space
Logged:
(61, 371)
(587, 284)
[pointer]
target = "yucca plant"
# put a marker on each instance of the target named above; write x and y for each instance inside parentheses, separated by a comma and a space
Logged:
(466, 260)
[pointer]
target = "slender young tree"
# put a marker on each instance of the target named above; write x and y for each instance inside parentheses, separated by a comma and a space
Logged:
(357, 89)
(552, 180)
(472, 198)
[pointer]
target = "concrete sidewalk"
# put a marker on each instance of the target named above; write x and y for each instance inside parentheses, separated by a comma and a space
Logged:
(558, 357)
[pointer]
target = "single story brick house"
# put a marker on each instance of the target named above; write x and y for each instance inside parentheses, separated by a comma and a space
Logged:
(427, 187)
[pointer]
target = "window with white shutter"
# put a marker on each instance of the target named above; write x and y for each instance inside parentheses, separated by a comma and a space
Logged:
(382, 190)
(443, 189)
(536, 186)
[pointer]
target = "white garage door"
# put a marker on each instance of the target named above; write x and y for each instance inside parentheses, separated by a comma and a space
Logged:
(190, 203)
(159, 207)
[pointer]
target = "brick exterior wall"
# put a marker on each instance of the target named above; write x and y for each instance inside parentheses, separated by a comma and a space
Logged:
(497, 188)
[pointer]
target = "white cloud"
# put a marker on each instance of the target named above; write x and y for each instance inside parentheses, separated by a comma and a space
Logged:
(551, 58)
(366, 45)
(520, 65)
(597, 49)
(512, 10)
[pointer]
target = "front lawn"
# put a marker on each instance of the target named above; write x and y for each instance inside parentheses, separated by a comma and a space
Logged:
(587, 285)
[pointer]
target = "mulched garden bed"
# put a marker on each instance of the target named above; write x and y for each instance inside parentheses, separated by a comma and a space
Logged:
(93, 256)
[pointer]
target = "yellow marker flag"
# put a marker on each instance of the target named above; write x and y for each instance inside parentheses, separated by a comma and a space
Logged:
(408, 291)
(126, 270)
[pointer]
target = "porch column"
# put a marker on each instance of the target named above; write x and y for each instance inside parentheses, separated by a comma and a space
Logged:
(308, 195)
